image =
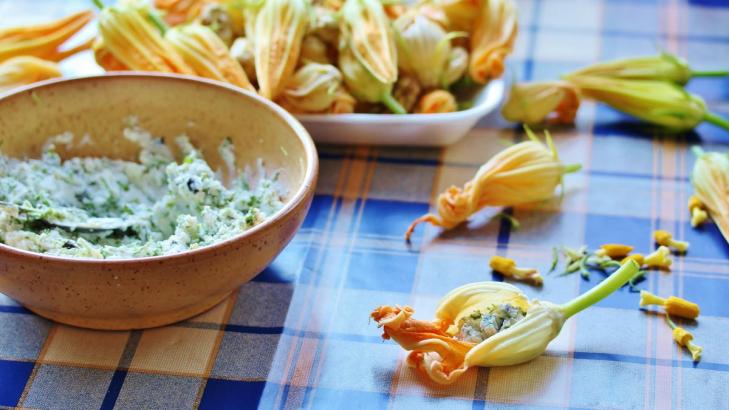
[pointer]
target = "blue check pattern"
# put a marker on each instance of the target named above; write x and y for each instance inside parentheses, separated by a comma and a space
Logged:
(298, 335)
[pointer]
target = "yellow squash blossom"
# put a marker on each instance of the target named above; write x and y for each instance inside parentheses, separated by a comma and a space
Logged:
(673, 305)
(663, 67)
(697, 210)
(367, 53)
(485, 324)
(24, 70)
(132, 35)
(435, 102)
(507, 267)
(206, 54)
(423, 49)
(312, 88)
(492, 39)
(710, 178)
(665, 238)
(279, 30)
(659, 102)
(526, 172)
(44, 40)
(532, 103)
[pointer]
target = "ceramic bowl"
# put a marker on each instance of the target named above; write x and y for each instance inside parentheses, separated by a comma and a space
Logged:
(152, 291)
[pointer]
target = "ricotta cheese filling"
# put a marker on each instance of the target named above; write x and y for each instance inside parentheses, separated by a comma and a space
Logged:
(107, 208)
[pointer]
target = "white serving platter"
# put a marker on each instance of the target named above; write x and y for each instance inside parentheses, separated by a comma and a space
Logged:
(435, 130)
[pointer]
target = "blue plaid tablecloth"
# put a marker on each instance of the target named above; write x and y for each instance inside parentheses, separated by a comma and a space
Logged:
(298, 335)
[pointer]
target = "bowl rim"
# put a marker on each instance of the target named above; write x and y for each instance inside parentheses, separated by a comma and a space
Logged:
(308, 184)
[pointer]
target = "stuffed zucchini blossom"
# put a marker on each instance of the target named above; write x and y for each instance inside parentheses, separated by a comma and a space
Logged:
(485, 324)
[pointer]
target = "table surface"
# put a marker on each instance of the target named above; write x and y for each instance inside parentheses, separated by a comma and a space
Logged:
(298, 335)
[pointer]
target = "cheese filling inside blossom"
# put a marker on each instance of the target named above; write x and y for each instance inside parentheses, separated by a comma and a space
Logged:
(485, 324)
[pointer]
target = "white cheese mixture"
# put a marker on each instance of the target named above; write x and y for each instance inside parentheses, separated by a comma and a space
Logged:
(156, 206)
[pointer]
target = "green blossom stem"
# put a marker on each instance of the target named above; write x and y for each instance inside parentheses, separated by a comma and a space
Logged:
(568, 169)
(717, 73)
(392, 104)
(158, 22)
(98, 3)
(716, 120)
(619, 278)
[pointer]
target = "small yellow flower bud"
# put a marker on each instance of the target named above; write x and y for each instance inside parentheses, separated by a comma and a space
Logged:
(664, 238)
(698, 213)
(637, 257)
(614, 250)
(659, 259)
(672, 305)
(436, 101)
(507, 267)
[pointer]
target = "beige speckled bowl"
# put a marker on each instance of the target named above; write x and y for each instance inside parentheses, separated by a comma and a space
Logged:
(154, 291)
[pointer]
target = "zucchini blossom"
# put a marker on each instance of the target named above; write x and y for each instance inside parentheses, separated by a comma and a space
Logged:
(492, 39)
(435, 102)
(485, 324)
(21, 70)
(663, 67)
(710, 178)
(553, 102)
(280, 26)
(132, 37)
(526, 172)
(367, 53)
(206, 54)
(312, 88)
(45, 40)
(423, 49)
(658, 102)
